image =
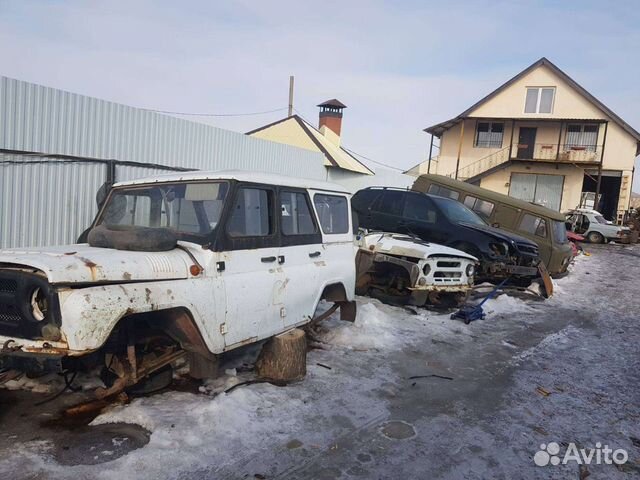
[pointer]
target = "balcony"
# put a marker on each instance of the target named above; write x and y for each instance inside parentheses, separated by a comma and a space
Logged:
(538, 152)
(551, 152)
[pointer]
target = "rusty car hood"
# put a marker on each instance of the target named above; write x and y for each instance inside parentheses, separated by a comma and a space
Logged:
(83, 264)
(404, 245)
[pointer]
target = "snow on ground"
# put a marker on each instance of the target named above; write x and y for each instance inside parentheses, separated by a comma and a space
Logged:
(329, 424)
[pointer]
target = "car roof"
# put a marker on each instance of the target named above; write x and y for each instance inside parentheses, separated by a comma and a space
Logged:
(488, 194)
(584, 210)
(241, 176)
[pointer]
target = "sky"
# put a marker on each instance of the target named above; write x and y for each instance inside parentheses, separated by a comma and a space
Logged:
(398, 66)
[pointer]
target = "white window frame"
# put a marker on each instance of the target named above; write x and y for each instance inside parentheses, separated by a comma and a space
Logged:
(538, 99)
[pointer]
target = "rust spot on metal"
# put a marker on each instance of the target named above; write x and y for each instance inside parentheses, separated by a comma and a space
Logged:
(88, 262)
(126, 276)
(147, 295)
(92, 266)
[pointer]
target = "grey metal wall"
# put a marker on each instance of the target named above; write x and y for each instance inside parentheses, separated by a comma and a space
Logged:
(47, 120)
(47, 200)
(46, 203)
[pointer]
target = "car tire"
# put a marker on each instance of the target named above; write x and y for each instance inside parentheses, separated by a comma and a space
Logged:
(595, 237)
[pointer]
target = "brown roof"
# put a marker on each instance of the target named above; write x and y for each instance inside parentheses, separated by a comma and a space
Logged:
(332, 103)
(440, 128)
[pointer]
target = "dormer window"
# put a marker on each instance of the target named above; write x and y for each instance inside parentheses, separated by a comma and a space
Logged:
(539, 100)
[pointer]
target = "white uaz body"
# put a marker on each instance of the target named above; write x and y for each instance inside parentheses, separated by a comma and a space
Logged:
(254, 256)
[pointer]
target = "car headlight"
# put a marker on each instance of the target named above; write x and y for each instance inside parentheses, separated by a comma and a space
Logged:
(426, 269)
(471, 269)
(500, 249)
(39, 305)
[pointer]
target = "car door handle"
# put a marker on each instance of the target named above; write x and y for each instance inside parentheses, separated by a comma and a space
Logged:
(314, 254)
(268, 259)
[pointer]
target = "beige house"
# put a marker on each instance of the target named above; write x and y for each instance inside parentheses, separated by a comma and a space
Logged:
(543, 138)
(294, 130)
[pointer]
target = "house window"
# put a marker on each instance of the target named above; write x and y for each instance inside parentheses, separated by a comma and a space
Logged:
(489, 134)
(539, 100)
(583, 137)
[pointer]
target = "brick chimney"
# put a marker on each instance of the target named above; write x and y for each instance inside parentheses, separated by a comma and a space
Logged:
(331, 116)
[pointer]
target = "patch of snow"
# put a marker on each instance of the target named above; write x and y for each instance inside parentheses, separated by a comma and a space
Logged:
(377, 326)
(506, 304)
(561, 337)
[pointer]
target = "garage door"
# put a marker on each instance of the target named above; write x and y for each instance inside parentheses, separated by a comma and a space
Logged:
(545, 190)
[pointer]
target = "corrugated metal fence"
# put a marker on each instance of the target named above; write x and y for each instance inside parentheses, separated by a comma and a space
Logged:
(55, 147)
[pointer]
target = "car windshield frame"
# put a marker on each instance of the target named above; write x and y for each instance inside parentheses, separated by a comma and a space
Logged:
(467, 215)
(163, 190)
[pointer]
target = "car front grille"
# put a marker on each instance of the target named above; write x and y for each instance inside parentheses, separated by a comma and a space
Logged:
(528, 249)
(9, 317)
(448, 264)
(8, 285)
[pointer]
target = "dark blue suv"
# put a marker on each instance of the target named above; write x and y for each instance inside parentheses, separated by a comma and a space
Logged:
(447, 222)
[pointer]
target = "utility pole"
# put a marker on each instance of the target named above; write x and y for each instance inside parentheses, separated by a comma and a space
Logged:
(291, 95)
(430, 151)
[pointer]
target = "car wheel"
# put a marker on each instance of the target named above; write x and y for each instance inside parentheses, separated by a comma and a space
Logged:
(595, 237)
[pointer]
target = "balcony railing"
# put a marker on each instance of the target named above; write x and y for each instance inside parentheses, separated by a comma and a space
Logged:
(551, 152)
(482, 165)
(546, 152)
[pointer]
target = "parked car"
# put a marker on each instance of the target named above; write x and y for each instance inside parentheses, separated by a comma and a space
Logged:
(595, 228)
(539, 224)
(402, 269)
(189, 264)
(448, 222)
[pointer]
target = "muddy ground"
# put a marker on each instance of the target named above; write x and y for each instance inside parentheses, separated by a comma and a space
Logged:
(563, 370)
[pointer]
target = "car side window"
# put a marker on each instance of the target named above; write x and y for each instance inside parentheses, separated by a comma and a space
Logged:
(333, 213)
(252, 214)
(367, 199)
(443, 191)
(295, 214)
(392, 202)
(533, 225)
(419, 207)
(481, 207)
